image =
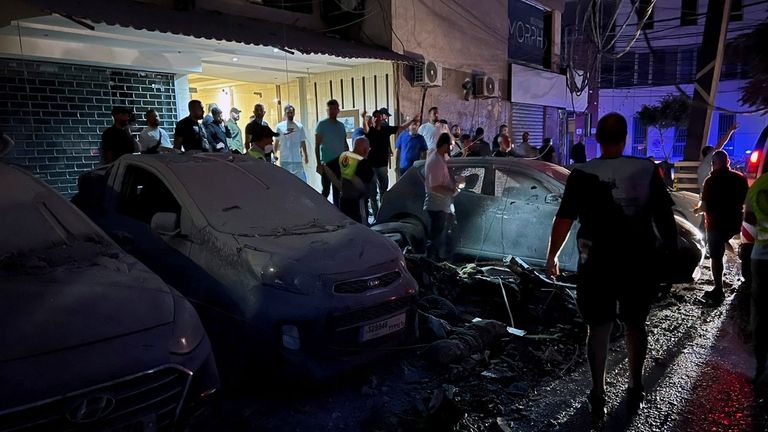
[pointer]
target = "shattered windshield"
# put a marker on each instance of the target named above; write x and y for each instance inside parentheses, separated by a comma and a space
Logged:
(251, 198)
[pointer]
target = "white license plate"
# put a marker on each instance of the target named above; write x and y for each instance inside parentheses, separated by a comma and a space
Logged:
(381, 328)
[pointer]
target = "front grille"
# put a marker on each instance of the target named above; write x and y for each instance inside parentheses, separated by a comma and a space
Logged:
(370, 314)
(359, 286)
(148, 401)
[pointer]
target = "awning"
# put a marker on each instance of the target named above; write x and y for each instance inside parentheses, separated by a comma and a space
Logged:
(215, 26)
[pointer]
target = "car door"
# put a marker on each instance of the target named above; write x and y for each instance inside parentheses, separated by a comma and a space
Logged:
(473, 206)
(528, 205)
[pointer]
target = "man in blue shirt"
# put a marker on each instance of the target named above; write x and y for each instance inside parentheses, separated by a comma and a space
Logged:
(410, 147)
(330, 143)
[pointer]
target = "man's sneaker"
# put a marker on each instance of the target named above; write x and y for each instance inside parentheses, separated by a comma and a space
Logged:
(714, 297)
(635, 399)
(597, 405)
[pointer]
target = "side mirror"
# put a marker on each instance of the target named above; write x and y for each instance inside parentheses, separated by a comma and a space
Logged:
(553, 198)
(166, 224)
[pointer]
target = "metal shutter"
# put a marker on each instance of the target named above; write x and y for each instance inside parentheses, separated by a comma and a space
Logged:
(527, 118)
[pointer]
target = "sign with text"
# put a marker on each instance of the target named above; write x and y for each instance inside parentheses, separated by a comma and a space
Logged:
(528, 38)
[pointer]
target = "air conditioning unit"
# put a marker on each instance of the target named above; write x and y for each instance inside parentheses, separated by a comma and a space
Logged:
(486, 87)
(428, 73)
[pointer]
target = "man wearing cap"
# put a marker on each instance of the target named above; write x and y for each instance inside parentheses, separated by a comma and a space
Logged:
(117, 141)
(292, 144)
(188, 133)
(385, 115)
(352, 173)
(380, 155)
(235, 142)
(217, 131)
(261, 142)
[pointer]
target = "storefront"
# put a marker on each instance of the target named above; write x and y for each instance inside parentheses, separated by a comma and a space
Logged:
(67, 63)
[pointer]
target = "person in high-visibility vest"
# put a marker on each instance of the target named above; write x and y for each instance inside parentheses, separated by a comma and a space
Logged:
(756, 214)
(352, 173)
(261, 142)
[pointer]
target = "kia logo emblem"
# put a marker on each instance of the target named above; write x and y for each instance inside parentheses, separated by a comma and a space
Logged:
(91, 408)
(373, 283)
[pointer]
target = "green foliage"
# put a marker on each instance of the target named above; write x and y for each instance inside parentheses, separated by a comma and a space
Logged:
(754, 93)
(671, 111)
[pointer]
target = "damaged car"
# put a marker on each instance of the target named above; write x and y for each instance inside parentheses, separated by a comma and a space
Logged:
(92, 339)
(506, 208)
(274, 270)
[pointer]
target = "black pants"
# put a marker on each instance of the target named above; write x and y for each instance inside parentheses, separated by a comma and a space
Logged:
(327, 186)
(354, 210)
(437, 248)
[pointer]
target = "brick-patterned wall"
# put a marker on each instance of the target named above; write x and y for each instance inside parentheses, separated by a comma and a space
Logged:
(56, 113)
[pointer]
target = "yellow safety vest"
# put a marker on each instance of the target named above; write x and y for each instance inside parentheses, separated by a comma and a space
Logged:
(255, 153)
(348, 164)
(758, 199)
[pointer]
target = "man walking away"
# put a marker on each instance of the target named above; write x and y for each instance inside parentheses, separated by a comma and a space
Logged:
(722, 200)
(235, 142)
(217, 131)
(432, 129)
(409, 148)
(440, 189)
(380, 155)
(330, 143)
(617, 200)
(189, 135)
(262, 143)
(756, 213)
(292, 144)
(579, 152)
(116, 140)
(258, 120)
(707, 152)
(503, 130)
(352, 173)
(153, 137)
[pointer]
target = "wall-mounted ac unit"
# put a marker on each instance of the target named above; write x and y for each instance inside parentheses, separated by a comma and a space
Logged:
(428, 73)
(486, 87)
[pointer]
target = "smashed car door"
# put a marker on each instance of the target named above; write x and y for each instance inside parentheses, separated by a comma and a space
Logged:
(473, 207)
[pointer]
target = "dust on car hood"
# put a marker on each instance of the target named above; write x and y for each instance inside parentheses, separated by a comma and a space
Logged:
(45, 309)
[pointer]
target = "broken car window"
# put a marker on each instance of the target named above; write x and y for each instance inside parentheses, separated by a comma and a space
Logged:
(143, 195)
(517, 186)
(473, 176)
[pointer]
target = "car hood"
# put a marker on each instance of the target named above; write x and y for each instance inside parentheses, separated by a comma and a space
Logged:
(50, 309)
(353, 248)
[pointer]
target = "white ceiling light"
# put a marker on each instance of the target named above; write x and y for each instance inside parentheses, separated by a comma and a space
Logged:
(234, 59)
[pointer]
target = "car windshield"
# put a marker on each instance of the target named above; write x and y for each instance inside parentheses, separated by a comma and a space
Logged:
(250, 197)
(35, 217)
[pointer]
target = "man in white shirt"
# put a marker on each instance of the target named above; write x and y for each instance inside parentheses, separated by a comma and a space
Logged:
(292, 144)
(432, 129)
(440, 189)
(153, 137)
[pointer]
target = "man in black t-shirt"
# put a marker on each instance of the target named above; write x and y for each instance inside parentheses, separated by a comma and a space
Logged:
(380, 154)
(189, 134)
(117, 140)
(617, 200)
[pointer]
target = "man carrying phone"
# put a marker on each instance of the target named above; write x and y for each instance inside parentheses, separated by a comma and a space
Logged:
(292, 144)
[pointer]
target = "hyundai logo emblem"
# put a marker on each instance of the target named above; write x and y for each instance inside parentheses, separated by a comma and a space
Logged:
(373, 283)
(91, 408)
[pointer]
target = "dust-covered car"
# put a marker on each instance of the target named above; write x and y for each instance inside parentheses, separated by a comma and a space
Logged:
(91, 339)
(271, 266)
(505, 209)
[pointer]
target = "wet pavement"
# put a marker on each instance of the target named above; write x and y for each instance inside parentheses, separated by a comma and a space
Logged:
(697, 379)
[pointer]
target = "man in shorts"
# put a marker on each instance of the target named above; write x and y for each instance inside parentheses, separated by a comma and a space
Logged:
(617, 200)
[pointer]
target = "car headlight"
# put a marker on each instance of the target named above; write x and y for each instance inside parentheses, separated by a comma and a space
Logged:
(188, 331)
(302, 284)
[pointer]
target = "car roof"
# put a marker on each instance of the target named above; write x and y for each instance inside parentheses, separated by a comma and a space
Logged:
(555, 171)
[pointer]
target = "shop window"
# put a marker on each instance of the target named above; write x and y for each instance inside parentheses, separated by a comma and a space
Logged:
(737, 10)
(687, 58)
(639, 136)
(689, 14)
(143, 195)
(643, 68)
(678, 147)
(724, 123)
(516, 186)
